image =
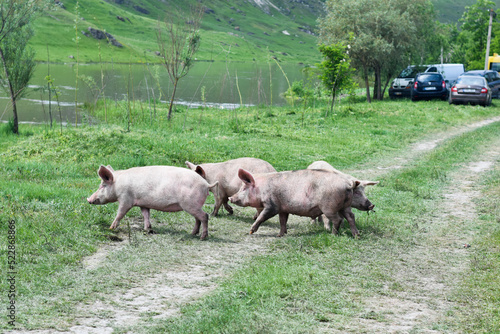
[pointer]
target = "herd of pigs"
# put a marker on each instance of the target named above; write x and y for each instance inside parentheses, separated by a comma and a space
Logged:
(320, 192)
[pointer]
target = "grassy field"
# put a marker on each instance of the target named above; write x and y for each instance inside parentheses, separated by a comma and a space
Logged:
(308, 282)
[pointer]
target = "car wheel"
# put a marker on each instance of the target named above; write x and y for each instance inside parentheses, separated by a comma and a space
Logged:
(414, 99)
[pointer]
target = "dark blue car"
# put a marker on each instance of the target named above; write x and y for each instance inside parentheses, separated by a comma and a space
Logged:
(430, 85)
(492, 77)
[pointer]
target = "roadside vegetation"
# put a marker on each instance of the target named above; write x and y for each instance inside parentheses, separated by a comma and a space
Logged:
(308, 280)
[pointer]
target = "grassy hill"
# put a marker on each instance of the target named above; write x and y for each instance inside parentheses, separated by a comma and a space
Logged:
(236, 30)
(451, 11)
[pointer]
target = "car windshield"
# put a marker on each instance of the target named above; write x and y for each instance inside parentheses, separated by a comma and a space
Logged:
(430, 77)
(474, 74)
(471, 81)
(410, 72)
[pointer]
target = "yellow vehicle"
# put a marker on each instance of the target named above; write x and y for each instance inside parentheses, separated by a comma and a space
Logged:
(494, 62)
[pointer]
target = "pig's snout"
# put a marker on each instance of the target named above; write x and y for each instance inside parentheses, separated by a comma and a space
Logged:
(93, 200)
(234, 200)
(371, 207)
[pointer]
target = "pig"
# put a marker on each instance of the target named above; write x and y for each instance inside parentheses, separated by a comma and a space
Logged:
(226, 174)
(359, 199)
(163, 188)
(306, 192)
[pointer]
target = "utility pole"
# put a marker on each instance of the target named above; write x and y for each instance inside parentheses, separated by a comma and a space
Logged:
(492, 15)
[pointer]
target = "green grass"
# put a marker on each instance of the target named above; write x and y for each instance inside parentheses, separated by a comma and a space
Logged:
(310, 278)
(480, 291)
(259, 36)
(319, 278)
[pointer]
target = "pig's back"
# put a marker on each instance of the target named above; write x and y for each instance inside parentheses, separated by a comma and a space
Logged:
(162, 182)
(303, 190)
(226, 173)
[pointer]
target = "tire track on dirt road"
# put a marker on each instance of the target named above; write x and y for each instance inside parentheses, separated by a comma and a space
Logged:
(385, 166)
(432, 269)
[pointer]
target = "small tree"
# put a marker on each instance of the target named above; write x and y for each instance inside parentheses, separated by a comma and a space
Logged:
(16, 59)
(178, 41)
(336, 70)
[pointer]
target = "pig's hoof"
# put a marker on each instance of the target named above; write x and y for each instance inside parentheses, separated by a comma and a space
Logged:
(251, 232)
(151, 231)
(203, 236)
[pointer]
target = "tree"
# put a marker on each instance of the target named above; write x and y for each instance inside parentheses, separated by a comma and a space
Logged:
(16, 58)
(382, 34)
(336, 68)
(178, 41)
(475, 22)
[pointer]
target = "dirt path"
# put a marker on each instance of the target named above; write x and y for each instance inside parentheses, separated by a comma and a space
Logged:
(387, 165)
(429, 271)
(161, 294)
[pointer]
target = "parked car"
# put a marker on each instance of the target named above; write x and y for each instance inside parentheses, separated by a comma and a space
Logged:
(401, 85)
(429, 86)
(470, 89)
(450, 72)
(492, 77)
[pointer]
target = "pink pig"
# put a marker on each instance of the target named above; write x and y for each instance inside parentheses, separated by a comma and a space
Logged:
(359, 199)
(226, 173)
(307, 192)
(162, 188)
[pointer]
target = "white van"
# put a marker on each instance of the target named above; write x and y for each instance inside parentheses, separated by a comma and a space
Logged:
(450, 72)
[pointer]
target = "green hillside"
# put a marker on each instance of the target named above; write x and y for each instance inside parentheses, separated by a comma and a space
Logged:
(236, 30)
(451, 11)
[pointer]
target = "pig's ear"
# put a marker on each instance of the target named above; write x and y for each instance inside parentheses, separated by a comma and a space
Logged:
(200, 171)
(369, 183)
(355, 184)
(190, 165)
(105, 174)
(110, 168)
(246, 176)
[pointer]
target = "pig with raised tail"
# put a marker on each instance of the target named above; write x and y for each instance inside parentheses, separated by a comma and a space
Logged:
(307, 192)
(359, 199)
(226, 174)
(162, 188)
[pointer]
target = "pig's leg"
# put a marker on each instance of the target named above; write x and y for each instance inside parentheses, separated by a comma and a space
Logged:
(259, 210)
(218, 203)
(147, 223)
(322, 219)
(347, 214)
(227, 206)
(201, 219)
(337, 221)
(122, 211)
(283, 220)
(266, 213)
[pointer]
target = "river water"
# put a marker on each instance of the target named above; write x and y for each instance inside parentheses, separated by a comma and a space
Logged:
(216, 84)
